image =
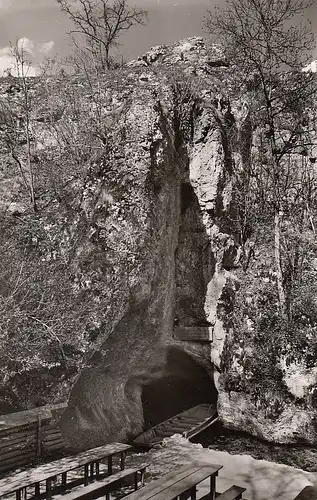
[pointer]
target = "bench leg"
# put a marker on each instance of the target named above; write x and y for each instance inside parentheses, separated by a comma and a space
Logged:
(64, 481)
(91, 472)
(86, 475)
(18, 495)
(142, 477)
(135, 481)
(107, 496)
(193, 493)
(37, 491)
(97, 470)
(110, 465)
(122, 460)
(188, 494)
(48, 489)
(212, 487)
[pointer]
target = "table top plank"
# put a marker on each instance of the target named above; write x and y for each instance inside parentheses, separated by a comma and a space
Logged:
(37, 474)
(81, 490)
(158, 485)
(185, 484)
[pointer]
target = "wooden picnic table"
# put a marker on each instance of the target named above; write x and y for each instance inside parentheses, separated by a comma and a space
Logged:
(89, 459)
(178, 481)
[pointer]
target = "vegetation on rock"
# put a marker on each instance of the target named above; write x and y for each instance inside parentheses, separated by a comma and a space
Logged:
(272, 315)
(181, 185)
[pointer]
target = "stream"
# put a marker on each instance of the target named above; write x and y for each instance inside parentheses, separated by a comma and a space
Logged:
(300, 456)
(236, 443)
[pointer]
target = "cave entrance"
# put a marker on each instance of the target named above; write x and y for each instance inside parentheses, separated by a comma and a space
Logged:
(183, 384)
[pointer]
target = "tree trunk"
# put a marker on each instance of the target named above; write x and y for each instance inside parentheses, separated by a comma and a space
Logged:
(107, 58)
(278, 267)
(30, 169)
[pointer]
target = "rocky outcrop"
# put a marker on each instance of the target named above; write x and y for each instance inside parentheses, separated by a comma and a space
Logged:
(147, 239)
(177, 252)
(157, 267)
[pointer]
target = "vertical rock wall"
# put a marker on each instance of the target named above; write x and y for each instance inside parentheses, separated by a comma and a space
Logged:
(161, 265)
(153, 244)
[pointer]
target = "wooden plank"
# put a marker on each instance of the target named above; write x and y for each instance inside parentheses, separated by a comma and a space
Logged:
(14, 420)
(53, 447)
(16, 453)
(99, 487)
(53, 439)
(17, 463)
(18, 459)
(43, 472)
(183, 420)
(233, 493)
(308, 493)
(155, 487)
(56, 406)
(199, 428)
(178, 429)
(51, 428)
(17, 430)
(51, 432)
(187, 483)
(192, 333)
(16, 436)
(168, 479)
(20, 445)
(52, 444)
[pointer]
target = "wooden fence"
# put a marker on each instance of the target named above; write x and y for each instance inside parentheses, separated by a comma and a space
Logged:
(29, 435)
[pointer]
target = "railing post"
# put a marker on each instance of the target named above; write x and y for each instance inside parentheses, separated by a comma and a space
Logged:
(39, 436)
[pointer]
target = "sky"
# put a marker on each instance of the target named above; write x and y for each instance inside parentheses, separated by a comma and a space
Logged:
(42, 28)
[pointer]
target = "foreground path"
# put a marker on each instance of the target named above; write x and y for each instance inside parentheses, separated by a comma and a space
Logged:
(263, 480)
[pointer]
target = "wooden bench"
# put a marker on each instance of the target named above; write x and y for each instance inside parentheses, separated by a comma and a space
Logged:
(105, 486)
(308, 493)
(233, 493)
(178, 482)
(187, 486)
(89, 460)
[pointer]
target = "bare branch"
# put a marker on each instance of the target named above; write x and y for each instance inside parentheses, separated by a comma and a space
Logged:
(100, 24)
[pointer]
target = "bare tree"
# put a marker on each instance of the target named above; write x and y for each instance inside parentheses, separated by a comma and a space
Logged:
(100, 23)
(269, 43)
(15, 120)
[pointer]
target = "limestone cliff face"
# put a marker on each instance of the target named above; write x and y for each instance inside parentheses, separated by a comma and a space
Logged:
(151, 243)
(156, 263)
(173, 250)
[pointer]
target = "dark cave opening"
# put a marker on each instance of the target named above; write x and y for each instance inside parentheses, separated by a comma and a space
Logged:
(183, 385)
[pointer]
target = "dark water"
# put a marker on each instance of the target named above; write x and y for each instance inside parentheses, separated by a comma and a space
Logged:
(299, 456)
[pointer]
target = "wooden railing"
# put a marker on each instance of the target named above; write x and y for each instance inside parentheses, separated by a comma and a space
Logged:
(29, 434)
